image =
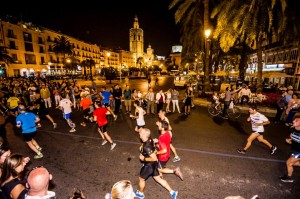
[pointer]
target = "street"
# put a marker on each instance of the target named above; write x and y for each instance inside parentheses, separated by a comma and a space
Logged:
(207, 146)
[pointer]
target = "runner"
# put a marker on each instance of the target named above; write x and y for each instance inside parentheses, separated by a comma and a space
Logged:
(139, 115)
(65, 105)
(294, 159)
(85, 103)
(163, 152)
(150, 165)
(162, 117)
(100, 117)
(258, 121)
(27, 121)
(41, 110)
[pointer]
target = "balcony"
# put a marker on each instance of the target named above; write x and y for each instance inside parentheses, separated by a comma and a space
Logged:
(17, 62)
(30, 62)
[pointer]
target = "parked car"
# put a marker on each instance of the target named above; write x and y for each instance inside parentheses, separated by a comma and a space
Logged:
(183, 80)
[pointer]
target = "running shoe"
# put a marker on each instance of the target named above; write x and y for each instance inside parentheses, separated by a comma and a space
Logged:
(139, 194)
(115, 117)
(104, 142)
(174, 194)
(273, 149)
(113, 145)
(38, 156)
(82, 124)
(72, 130)
(241, 151)
(176, 159)
(54, 125)
(286, 178)
(178, 173)
(38, 125)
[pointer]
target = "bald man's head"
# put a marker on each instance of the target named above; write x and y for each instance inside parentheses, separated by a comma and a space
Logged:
(38, 181)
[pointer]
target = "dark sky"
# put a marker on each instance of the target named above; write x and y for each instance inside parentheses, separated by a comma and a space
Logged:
(105, 23)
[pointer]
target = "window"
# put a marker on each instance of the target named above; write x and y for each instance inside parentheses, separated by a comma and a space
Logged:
(14, 56)
(28, 47)
(27, 37)
(12, 45)
(30, 59)
(42, 60)
(10, 34)
(40, 40)
(42, 49)
(49, 39)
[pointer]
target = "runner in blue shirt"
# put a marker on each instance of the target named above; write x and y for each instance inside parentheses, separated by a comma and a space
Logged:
(27, 121)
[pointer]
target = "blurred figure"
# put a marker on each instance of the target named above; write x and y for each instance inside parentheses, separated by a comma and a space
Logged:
(121, 190)
(12, 185)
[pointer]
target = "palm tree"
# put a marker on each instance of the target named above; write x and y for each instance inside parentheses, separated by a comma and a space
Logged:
(90, 63)
(62, 46)
(140, 61)
(193, 16)
(250, 21)
(5, 57)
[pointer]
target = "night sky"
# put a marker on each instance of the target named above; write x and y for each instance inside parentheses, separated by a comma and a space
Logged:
(105, 23)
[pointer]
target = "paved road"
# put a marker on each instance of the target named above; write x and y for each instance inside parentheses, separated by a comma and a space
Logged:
(212, 168)
(207, 146)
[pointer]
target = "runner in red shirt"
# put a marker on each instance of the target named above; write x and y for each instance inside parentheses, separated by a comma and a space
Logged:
(163, 153)
(100, 118)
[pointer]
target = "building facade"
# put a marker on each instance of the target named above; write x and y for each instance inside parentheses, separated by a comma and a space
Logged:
(31, 48)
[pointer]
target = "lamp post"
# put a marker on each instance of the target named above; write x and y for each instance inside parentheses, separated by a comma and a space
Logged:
(207, 54)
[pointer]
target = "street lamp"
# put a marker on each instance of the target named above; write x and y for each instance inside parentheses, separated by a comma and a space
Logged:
(207, 52)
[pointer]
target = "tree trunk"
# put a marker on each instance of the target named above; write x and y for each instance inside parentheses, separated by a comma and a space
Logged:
(259, 66)
(206, 26)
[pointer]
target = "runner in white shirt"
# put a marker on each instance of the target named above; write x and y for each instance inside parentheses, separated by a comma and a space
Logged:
(65, 105)
(258, 121)
(139, 116)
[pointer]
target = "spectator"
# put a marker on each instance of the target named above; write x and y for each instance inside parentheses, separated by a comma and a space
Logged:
(38, 183)
(160, 100)
(121, 190)
(280, 106)
(245, 93)
(11, 184)
(77, 194)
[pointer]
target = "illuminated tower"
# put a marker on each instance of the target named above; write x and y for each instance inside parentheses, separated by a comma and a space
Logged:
(136, 39)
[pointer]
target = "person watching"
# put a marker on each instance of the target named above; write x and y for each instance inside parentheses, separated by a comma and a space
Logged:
(38, 183)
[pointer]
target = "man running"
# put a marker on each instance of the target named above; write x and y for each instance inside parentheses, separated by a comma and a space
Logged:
(27, 121)
(150, 165)
(41, 110)
(294, 159)
(100, 117)
(163, 152)
(66, 106)
(162, 116)
(258, 121)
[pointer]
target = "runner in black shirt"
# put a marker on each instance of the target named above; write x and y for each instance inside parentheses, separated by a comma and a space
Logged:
(294, 159)
(149, 159)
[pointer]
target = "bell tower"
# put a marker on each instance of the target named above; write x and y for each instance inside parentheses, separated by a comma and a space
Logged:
(136, 40)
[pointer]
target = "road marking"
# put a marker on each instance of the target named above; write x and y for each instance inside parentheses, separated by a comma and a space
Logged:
(177, 148)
